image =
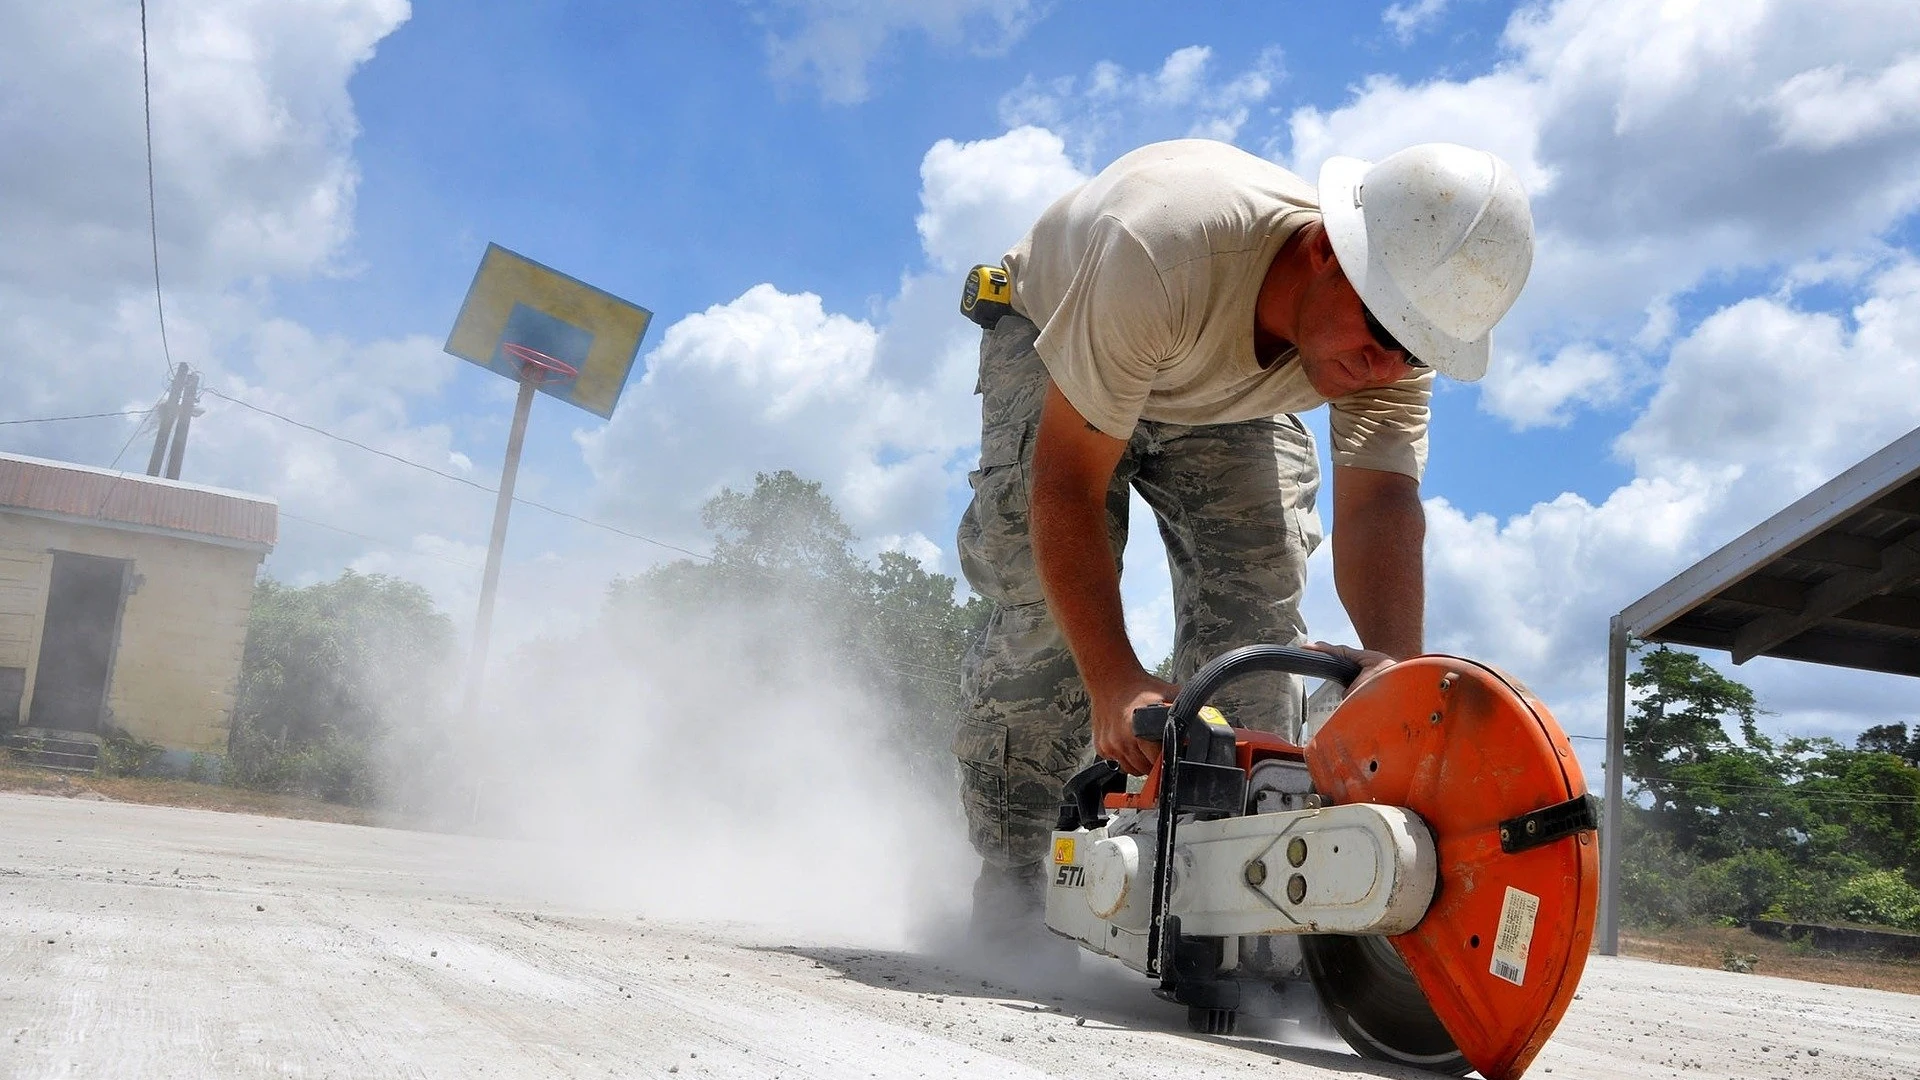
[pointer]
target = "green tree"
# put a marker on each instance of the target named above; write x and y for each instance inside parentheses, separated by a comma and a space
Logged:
(786, 527)
(333, 675)
(1864, 803)
(1890, 739)
(1713, 796)
(1726, 828)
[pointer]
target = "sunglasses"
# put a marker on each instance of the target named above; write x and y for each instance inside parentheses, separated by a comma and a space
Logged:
(1386, 340)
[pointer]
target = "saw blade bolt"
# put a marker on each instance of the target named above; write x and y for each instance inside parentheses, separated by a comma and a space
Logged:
(1257, 872)
(1297, 851)
(1296, 888)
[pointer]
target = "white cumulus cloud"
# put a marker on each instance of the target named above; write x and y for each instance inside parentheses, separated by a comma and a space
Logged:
(1827, 107)
(769, 381)
(1665, 143)
(978, 198)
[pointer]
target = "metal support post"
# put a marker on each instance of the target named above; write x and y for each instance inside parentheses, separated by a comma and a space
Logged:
(1616, 786)
(163, 429)
(483, 622)
(182, 421)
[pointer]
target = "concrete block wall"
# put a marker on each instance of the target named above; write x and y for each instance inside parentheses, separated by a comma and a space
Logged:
(182, 632)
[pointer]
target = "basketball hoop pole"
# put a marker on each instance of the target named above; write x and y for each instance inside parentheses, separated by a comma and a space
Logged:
(483, 622)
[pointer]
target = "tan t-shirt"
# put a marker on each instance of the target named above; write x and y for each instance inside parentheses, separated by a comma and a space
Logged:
(1143, 282)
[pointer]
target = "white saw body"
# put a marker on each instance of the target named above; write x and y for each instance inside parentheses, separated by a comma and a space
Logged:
(1424, 864)
(1360, 869)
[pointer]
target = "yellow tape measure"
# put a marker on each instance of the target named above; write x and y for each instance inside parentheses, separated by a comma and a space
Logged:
(987, 295)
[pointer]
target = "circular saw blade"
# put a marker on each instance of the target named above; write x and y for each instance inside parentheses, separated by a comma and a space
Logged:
(1376, 1006)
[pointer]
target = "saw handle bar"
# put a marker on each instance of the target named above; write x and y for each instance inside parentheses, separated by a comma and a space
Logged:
(1206, 682)
(1227, 667)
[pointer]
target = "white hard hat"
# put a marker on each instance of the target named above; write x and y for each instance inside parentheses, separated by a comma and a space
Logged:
(1437, 240)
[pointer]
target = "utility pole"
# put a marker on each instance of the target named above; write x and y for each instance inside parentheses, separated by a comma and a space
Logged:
(167, 411)
(182, 420)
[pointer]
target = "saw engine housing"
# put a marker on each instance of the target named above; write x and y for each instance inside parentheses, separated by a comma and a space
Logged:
(1426, 860)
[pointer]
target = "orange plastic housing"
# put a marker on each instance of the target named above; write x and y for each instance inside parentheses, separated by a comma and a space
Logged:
(1467, 747)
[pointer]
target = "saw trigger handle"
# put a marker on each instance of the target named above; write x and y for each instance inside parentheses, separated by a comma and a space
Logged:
(1150, 721)
(1081, 805)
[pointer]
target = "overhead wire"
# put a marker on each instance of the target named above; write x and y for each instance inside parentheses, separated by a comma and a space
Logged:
(76, 416)
(114, 465)
(1788, 791)
(374, 539)
(921, 673)
(455, 477)
(153, 216)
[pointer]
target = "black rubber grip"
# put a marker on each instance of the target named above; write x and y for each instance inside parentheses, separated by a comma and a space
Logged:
(1229, 666)
(1150, 721)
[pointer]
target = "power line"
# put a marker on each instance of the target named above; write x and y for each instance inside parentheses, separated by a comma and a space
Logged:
(137, 429)
(375, 539)
(1870, 798)
(77, 416)
(153, 217)
(456, 478)
(476, 485)
(113, 484)
(557, 512)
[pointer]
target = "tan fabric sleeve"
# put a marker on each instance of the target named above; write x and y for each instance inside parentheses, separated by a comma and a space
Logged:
(1384, 428)
(1114, 327)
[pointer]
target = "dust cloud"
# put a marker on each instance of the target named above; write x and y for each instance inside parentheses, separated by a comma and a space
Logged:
(719, 765)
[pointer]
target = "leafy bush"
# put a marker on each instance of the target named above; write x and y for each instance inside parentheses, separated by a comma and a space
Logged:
(340, 686)
(1879, 898)
(123, 754)
(1739, 888)
(1655, 882)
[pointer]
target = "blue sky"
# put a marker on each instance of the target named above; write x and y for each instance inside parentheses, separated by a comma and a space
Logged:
(657, 155)
(1716, 322)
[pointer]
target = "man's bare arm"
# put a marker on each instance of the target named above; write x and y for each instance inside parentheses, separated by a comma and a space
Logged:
(1073, 465)
(1379, 530)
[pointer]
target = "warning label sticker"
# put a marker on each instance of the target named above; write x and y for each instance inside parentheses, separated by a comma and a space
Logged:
(1510, 946)
(1063, 850)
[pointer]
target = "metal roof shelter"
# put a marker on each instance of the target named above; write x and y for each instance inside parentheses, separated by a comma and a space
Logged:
(1834, 579)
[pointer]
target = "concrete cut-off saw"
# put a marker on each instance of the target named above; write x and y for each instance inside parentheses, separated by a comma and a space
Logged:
(1425, 863)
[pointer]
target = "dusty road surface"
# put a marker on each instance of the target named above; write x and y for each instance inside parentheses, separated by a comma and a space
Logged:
(154, 942)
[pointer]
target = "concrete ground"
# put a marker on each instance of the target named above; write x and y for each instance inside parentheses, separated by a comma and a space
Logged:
(141, 941)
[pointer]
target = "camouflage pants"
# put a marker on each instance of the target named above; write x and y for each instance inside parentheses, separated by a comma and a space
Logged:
(1235, 506)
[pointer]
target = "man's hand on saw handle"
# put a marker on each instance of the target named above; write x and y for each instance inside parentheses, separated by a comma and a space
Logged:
(1113, 736)
(1371, 663)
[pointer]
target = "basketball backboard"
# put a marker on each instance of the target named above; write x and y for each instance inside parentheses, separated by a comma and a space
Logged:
(515, 301)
